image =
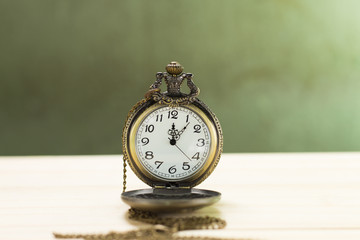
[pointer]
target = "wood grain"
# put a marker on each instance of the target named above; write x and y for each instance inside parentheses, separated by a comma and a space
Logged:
(264, 196)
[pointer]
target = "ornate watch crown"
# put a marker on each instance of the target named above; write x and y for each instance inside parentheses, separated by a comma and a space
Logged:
(174, 68)
(173, 77)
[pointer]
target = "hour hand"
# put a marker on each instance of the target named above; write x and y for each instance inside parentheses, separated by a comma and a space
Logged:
(174, 134)
(182, 130)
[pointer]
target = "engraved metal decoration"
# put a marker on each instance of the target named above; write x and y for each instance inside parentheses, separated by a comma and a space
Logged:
(173, 77)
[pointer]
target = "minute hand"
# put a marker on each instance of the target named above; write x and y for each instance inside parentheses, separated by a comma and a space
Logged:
(182, 152)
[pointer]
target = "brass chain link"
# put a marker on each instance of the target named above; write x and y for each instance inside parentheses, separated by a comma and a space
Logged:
(163, 228)
(152, 233)
(157, 232)
(124, 172)
(177, 224)
(132, 110)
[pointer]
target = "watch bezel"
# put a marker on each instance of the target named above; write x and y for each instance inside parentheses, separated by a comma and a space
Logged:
(133, 122)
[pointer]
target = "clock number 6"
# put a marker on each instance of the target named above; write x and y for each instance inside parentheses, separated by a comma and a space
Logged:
(172, 169)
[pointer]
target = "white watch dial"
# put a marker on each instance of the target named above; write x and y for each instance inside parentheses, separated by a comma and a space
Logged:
(173, 143)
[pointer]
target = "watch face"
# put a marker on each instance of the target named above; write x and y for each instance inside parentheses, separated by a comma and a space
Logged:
(172, 143)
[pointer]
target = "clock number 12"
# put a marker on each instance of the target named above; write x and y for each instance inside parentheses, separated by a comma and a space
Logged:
(173, 114)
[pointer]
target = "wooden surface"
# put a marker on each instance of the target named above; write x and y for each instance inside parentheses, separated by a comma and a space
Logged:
(264, 196)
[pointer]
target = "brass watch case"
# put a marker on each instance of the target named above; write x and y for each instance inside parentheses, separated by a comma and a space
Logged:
(137, 115)
(167, 195)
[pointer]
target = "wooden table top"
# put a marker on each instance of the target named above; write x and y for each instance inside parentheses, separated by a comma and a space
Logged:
(264, 196)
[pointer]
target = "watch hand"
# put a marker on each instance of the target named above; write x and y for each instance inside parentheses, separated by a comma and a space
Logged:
(174, 133)
(171, 131)
(172, 140)
(182, 152)
(182, 130)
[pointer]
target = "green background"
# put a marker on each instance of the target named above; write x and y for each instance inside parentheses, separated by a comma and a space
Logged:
(280, 75)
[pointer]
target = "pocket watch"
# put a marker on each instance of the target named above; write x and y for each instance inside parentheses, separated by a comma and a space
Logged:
(172, 142)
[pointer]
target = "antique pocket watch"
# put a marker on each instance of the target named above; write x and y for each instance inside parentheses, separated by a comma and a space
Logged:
(172, 142)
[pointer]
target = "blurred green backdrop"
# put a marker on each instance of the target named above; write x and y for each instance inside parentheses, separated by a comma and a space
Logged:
(280, 75)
